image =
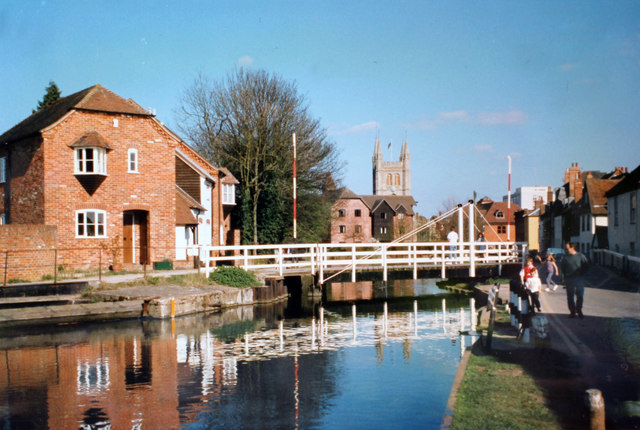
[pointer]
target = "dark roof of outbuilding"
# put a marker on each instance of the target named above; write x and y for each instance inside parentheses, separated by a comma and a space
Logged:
(630, 182)
(95, 98)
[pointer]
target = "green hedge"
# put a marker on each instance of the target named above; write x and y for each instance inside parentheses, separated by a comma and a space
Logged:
(234, 277)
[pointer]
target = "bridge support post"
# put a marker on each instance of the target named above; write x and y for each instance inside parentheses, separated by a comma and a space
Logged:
(353, 262)
(472, 245)
(444, 257)
(384, 262)
(414, 250)
(321, 264)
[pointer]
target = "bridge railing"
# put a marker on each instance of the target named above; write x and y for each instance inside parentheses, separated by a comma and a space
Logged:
(333, 258)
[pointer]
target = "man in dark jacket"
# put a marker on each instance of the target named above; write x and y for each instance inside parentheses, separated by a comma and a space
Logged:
(574, 264)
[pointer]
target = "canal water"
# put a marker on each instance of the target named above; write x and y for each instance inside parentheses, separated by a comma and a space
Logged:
(388, 363)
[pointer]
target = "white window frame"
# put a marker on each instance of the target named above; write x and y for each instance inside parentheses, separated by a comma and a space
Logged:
(3, 219)
(228, 194)
(132, 160)
(3, 170)
(84, 225)
(98, 160)
(342, 229)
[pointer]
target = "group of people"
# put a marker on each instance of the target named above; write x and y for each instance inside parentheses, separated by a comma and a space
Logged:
(573, 265)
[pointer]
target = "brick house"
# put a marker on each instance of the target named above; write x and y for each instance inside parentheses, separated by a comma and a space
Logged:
(362, 218)
(350, 218)
(500, 220)
(104, 171)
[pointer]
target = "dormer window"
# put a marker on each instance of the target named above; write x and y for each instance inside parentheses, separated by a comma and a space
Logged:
(499, 214)
(90, 161)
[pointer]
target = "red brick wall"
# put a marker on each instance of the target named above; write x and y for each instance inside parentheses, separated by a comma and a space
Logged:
(350, 221)
(27, 251)
(152, 189)
(25, 182)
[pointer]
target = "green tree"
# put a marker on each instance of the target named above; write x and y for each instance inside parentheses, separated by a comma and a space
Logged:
(51, 95)
(245, 123)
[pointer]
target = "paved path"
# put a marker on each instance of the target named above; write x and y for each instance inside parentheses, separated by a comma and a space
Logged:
(611, 303)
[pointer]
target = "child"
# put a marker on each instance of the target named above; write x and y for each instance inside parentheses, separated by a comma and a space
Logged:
(552, 269)
(533, 285)
(525, 273)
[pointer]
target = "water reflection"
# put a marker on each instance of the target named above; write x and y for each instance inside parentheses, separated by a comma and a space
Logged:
(243, 368)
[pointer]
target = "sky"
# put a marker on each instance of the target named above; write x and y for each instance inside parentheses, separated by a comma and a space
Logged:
(466, 83)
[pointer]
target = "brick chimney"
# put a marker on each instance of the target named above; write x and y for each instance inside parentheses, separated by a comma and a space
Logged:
(573, 177)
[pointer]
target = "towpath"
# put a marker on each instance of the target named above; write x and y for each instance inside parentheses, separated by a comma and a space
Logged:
(603, 346)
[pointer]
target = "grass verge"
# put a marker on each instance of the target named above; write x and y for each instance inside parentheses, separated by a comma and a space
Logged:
(500, 395)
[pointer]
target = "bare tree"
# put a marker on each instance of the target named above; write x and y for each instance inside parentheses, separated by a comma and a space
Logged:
(245, 123)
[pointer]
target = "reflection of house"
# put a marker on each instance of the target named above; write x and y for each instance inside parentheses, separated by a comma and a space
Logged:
(623, 218)
(102, 169)
(121, 383)
(500, 220)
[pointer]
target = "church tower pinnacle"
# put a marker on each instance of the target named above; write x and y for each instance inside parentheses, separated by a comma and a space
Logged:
(391, 177)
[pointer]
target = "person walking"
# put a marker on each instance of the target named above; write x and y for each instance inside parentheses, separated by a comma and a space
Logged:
(481, 248)
(452, 237)
(573, 265)
(552, 270)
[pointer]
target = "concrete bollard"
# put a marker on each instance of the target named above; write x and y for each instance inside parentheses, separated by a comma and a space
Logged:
(595, 403)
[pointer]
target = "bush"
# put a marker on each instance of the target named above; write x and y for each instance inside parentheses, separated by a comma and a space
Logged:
(234, 277)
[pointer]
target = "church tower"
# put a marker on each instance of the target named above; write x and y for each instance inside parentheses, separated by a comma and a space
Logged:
(391, 177)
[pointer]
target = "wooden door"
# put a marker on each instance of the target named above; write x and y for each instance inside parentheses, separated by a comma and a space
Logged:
(128, 237)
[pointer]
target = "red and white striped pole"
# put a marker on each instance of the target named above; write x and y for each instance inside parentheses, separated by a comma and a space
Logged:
(295, 209)
(508, 203)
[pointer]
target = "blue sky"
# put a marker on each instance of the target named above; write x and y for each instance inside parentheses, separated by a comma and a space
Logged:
(466, 82)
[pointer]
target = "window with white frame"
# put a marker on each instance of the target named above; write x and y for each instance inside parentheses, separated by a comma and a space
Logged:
(132, 160)
(228, 194)
(3, 219)
(90, 161)
(342, 229)
(91, 223)
(3, 170)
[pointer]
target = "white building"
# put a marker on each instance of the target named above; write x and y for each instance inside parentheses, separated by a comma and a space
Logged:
(624, 220)
(525, 197)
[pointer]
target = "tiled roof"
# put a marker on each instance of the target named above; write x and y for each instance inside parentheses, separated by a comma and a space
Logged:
(631, 182)
(596, 190)
(396, 202)
(489, 211)
(91, 139)
(184, 204)
(96, 98)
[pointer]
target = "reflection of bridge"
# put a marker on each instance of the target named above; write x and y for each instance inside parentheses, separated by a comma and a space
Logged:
(335, 258)
(329, 332)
